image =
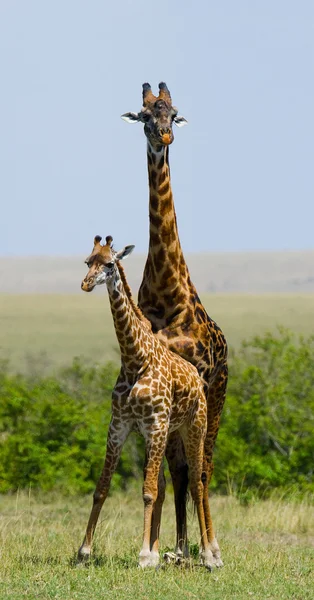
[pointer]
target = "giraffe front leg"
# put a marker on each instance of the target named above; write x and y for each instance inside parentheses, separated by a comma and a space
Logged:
(178, 468)
(149, 554)
(156, 516)
(117, 435)
(215, 402)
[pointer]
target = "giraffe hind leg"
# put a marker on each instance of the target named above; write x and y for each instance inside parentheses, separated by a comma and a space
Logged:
(117, 435)
(194, 446)
(215, 402)
(176, 458)
(149, 556)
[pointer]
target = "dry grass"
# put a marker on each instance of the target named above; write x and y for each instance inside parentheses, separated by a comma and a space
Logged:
(47, 331)
(267, 548)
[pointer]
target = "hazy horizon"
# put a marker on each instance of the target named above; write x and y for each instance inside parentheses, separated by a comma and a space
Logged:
(218, 272)
(229, 253)
(242, 170)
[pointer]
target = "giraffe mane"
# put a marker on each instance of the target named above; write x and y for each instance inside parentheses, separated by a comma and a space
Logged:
(128, 292)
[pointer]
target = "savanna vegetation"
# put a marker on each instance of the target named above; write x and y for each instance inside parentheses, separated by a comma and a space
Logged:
(53, 427)
(267, 547)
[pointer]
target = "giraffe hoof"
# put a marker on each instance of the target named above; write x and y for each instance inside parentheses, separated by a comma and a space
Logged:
(207, 560)
(148, 559)
(216, 554)
(170, 557)
(154, 559)
(83, 554)
(177, 559)
(218, 562)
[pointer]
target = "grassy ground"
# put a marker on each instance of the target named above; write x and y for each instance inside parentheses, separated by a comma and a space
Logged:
(46, 331)
(268, 550)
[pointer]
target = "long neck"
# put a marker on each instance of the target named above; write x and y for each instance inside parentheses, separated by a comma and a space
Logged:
(164, 242)
(166, 273)
(131, 326)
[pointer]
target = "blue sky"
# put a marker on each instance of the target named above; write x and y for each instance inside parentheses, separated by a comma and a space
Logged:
(241, 72)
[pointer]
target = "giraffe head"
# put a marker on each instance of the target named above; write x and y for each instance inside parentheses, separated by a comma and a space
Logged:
(158, 116)
(102, 263)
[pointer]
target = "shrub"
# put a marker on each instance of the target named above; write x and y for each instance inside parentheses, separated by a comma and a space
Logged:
(266, 436)
(53, 429)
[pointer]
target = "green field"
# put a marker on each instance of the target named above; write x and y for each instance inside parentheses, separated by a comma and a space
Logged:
(46, 331)
(267, 545)
(267, 549)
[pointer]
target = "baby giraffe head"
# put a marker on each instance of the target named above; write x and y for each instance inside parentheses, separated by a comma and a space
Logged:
(102, 263)
(158, 116)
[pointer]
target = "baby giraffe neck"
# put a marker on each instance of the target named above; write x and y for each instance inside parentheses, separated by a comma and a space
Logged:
(129, 329)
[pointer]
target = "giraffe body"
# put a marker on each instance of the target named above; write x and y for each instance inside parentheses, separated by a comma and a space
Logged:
(157, 393)
(169, 300)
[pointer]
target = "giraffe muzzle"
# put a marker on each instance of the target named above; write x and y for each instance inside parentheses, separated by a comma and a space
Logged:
(167, 139)
(87, 287)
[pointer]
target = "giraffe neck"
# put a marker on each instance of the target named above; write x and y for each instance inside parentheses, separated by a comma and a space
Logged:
(165, 272)
(164, 242)
(131, 327)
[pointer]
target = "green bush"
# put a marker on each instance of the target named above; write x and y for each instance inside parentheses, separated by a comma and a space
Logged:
(266, 436)
(53, 429)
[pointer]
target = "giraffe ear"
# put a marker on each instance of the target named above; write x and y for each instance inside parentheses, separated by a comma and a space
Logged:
(131, 117)
(124, 252)
(180, 121)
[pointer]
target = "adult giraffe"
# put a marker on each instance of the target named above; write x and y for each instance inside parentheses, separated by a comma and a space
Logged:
(169, 300)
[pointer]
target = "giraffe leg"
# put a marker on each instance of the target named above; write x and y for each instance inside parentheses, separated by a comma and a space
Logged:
(156, 442)
(117, 435)
(194, 446)
(178, 468)
(215, 401)
(156, 517)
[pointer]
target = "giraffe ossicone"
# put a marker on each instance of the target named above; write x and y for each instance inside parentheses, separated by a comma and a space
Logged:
(156, 394)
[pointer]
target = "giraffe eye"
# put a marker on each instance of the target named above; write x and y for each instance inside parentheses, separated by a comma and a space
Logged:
(109, 265)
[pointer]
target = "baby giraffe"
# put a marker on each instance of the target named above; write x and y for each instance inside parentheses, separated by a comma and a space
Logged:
(157, 392)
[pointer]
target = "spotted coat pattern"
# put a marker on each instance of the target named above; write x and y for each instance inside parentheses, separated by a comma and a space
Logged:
(169, 300)
(157, 393)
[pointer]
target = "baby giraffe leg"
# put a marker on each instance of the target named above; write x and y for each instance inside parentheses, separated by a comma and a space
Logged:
(156, 516)
(117, 435)
(155, 451)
